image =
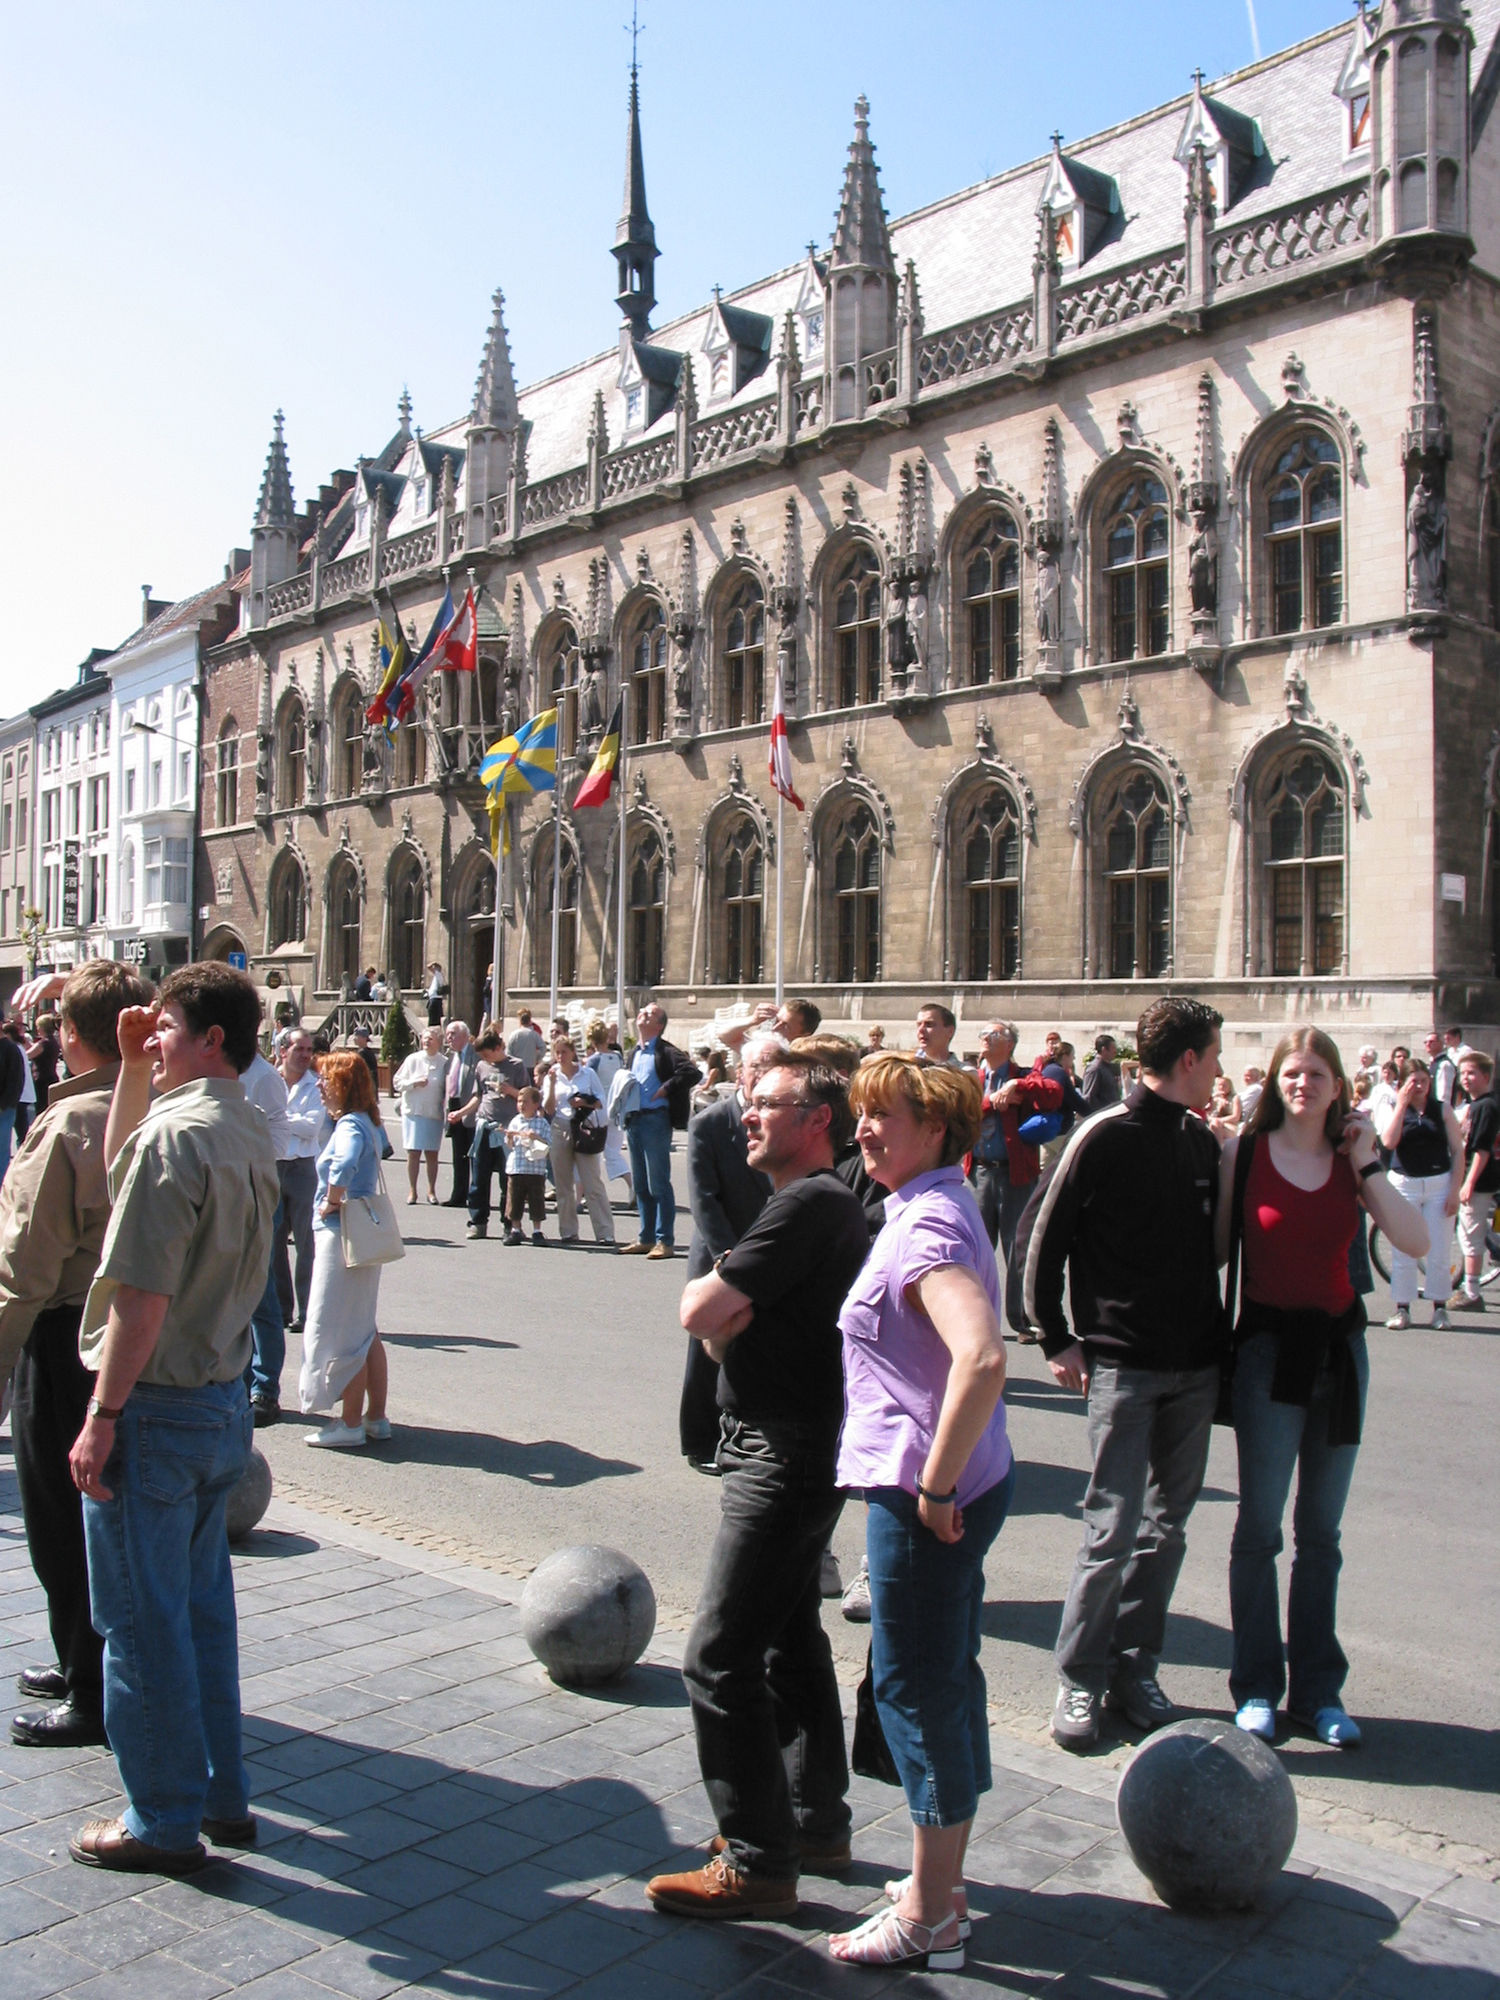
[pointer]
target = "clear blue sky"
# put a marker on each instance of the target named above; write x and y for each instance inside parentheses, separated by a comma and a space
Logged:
(210, 211)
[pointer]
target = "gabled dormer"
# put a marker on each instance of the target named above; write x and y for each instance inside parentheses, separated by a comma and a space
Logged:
(1231, 143)
(1083, 203)
(372, 482)
(647, 382)
(1353, 87)
(811, 309)
(430, 461)
(736, 348)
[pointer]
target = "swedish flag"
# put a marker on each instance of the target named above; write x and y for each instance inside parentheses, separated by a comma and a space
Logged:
(525, 762)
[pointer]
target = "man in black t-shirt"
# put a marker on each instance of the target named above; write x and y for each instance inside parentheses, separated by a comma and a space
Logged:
(758, 1666)
(1476, 1200)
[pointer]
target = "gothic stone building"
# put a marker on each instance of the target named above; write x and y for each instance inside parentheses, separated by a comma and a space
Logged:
(1124, 530)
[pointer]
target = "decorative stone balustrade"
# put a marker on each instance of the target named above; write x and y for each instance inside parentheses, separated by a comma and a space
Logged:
(880, 378)
(284, 599)
(726, 436)
(553, 499)
(1321, 228)
(993, 341)
(1155, 286)
(641, 466)
(406, 553)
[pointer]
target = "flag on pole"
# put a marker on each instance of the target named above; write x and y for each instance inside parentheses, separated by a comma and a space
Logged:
(395, 656)
(525, 762)
(457, 648)
(402, 700)
(600, 782)
(781, 750)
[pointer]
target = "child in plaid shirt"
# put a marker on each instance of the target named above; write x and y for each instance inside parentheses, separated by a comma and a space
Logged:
(528, 1143)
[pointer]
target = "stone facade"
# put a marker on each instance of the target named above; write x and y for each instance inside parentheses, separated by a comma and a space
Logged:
(1123, 530)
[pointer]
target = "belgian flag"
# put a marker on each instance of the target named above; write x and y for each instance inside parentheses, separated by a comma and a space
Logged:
(600, 782)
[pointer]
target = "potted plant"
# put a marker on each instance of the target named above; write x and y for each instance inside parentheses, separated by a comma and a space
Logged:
(397, 1041)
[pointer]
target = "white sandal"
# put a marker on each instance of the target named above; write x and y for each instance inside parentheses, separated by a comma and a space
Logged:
(896, 1890)
(891, 1939)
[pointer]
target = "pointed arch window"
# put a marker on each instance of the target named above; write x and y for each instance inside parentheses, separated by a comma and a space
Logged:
(855, 888)
(288, 901)
(856, 630)
(567, 913)
(348, 744)
(228, 781)
(1492, 547)
(1303, 814)
(648, 678)
(292, 763)
(745, 656)
(646, 912)
(411, 753)
(987, 847)
(408, 922)
(1136, 549)
(343, 923)
(992, 601)
(560, 679)
(741, 898)
(1303, 520)
(1137, 870)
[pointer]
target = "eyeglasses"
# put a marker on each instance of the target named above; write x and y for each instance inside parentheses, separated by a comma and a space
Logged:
(779, 1104)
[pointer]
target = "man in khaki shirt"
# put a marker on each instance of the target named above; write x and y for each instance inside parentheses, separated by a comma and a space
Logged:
(167, 1328)
(54, 1210)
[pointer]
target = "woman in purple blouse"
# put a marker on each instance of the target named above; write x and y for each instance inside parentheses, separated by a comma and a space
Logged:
(924, 1442)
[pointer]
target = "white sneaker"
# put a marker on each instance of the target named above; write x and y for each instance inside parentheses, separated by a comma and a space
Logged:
(1440, 1320)
(856, 1604)
(378, 1429)
(337, 1437)
(1399, 1320)
(1257, 1718)
(830, 1580)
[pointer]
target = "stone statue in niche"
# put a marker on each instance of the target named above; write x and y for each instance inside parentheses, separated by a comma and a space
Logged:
(1426, 547)
(682, 678)
(1047, 596)
(377, 759)
(916, 625)
(316, 730)
(594, 695)
(263, 766)
(510, 697)
(1203, 566)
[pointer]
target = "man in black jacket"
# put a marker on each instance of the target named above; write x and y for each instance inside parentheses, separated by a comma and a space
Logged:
(1129, 1209)
(725, 1194)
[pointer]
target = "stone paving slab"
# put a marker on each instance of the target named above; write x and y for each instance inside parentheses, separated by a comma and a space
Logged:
(437, 1819)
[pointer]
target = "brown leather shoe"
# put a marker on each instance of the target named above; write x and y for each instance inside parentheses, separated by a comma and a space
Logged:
(720, 1890)
(660, 1250)
(818, 1858)
(109, 1843)
(635, 1249)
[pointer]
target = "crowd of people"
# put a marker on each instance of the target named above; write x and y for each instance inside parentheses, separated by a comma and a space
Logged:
(866, 1226)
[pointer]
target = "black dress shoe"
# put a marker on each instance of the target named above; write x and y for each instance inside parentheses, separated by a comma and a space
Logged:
(43, 1683)
(264, 1412)
(231, 1832)
(64, 1727)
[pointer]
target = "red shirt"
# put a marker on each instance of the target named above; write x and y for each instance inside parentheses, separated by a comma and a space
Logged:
(1297, 1240)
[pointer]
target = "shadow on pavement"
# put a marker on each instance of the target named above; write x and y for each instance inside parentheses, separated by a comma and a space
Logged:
(544, 1462)
(1191, 1642)
(1402, 1750)
(447, 1343)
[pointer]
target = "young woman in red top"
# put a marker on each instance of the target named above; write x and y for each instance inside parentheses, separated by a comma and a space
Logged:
(1301, 1373)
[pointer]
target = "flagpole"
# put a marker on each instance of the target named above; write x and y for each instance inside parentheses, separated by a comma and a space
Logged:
(780, 844)
(620, 898)
(556, 884)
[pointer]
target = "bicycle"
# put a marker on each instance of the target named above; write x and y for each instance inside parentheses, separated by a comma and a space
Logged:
(1489, 1275)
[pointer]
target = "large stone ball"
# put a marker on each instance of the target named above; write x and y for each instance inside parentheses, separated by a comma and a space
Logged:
(1208, 1813)
(588, 1613)
(250, 1499)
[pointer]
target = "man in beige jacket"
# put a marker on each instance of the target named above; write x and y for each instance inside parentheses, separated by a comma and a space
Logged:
(54, 1209)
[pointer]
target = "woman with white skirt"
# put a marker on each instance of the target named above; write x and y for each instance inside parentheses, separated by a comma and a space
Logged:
(422, 1085)
(343, 1358)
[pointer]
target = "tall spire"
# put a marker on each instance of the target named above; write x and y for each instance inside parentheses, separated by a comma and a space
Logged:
(274, 508)
(495, 391)
(860, 236)
(635, 239)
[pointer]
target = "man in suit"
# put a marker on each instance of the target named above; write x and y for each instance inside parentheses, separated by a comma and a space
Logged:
(726, 1194)
(462, 1056)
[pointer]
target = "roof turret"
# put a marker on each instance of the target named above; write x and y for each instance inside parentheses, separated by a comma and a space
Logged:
(861, 235)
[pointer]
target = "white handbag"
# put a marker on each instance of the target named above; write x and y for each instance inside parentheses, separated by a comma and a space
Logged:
(368, 1230)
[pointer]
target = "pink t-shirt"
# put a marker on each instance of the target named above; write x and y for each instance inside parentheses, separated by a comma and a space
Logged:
(895, 1366)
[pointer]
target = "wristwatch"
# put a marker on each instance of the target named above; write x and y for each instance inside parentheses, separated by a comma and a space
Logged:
(1370, 1169)
(97, 1409)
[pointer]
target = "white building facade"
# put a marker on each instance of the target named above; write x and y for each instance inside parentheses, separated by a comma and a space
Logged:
(72, 833)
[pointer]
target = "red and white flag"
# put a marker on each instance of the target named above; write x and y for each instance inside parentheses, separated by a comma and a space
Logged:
(781, 750)
(456, 650)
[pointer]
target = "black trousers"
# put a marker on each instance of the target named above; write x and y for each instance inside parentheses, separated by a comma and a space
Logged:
(698, 1410)
(461, 1139)
(758, 1666)
(50, 1402)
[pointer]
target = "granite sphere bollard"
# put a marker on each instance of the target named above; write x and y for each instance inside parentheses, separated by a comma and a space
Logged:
(1208, 1814)
(588, 1613)
(249, 1500)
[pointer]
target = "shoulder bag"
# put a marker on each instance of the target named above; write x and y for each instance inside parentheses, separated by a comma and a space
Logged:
(368, 1229)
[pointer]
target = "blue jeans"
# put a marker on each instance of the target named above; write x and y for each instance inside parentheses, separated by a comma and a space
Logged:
(268, 1332)
(926, 1601)
(486, 1158)
(7, 1132)
(161, 1592)
(1274, 1440)
(649, 1137)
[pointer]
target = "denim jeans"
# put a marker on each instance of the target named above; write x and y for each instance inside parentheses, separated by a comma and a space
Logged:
(162, 1595)
(1148, 1432)
(758, 1665)
(1274, 1440)
(926, 1601)
(268, 1331)
(486, 1157)
(7, 1133)
(649, 1137)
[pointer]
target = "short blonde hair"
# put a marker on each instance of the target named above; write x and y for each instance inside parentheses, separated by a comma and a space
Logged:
(937, 1095)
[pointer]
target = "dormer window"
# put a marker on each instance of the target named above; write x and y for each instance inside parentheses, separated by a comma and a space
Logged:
(737, 346)
(718, 382)
(1230, 141)
(814, 330)
(1083, 204)
(810, 309)
(1353, 86)
(419, 496)
(633, 408)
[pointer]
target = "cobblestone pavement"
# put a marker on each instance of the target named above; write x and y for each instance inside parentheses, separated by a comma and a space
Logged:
(437, 1818)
